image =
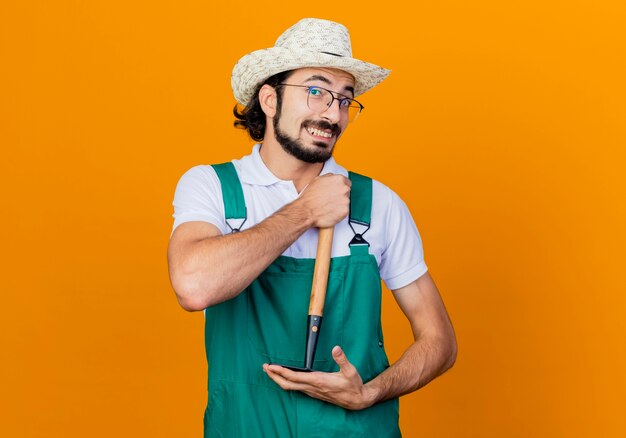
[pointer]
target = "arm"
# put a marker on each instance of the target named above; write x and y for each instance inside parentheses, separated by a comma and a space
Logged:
(207, 268)
(433, 350)
(432, 353)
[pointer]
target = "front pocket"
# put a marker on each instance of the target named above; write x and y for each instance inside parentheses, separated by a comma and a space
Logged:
(278, 305)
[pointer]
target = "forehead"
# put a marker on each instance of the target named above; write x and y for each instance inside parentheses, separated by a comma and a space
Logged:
(338, 79)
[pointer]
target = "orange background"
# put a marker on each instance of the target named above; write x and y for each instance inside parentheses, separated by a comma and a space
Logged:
(502, 127)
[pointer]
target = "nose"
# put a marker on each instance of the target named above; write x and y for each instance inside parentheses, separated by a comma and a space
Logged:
(332, 113)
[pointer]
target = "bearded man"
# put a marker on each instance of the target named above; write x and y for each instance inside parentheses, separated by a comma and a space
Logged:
(243, 249)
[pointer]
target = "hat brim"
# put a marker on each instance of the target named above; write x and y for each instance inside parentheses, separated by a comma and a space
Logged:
(254, 68)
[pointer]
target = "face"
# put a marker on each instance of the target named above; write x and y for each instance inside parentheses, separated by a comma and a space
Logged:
(308, 135)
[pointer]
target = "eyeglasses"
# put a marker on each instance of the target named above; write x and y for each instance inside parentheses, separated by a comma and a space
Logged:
(320, 99)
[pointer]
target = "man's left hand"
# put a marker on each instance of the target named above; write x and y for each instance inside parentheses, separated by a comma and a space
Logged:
(344, 388)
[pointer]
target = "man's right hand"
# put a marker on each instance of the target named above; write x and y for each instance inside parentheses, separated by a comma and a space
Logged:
(326, 200)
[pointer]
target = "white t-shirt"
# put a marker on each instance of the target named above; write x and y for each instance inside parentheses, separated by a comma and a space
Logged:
(393, 237)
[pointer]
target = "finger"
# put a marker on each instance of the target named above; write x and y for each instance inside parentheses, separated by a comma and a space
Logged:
(345, 367)
(284, 382)
(310, 390)
(292, 376)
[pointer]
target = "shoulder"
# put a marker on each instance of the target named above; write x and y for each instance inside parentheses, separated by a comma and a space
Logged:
(382, 193)
(200, 178)
(390, 209)
(389, 213)
(383, 197)
(202, 173)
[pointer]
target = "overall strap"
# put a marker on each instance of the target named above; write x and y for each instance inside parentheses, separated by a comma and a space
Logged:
(232, 194)
(360, 211)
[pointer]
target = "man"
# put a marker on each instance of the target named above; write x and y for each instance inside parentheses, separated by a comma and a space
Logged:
(244, 240)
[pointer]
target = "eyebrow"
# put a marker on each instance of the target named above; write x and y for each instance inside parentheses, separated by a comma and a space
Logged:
(326, 81)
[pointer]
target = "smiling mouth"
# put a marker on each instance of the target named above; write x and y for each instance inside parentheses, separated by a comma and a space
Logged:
(319, 132)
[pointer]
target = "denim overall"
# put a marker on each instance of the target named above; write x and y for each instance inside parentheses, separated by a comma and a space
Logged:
(266, 323)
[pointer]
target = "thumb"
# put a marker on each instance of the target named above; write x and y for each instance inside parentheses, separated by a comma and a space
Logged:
(342, 360)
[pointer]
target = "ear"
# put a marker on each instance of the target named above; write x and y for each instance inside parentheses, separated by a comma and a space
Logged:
(267, 99)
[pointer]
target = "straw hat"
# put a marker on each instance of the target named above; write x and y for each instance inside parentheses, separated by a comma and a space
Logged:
(311, 42)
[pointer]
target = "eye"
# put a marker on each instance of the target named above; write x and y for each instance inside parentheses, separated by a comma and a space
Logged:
(315, 92)
(345, 103)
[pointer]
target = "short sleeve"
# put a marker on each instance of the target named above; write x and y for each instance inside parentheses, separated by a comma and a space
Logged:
(402, 260)
(198, 197)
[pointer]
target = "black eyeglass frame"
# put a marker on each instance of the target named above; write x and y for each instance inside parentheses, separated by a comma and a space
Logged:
(332, 93)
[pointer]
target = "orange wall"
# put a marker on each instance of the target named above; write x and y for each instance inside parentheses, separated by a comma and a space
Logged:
(502, 126)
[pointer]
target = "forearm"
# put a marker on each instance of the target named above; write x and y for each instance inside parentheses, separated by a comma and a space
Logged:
(218, 268)
(427, 358)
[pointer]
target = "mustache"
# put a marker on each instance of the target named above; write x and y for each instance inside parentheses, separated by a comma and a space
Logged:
(321, 124)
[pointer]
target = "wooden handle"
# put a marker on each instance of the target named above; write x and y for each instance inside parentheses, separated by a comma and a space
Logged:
(320, 272)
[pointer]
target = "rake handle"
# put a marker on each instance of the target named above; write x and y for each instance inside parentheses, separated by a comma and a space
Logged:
(320, 272)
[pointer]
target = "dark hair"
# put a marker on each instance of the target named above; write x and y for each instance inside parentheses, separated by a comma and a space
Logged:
(252, 117)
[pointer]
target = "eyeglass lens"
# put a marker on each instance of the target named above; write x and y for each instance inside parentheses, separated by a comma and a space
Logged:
(320, 99)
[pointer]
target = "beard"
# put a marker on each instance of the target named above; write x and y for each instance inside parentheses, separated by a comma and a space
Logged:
(295, 147)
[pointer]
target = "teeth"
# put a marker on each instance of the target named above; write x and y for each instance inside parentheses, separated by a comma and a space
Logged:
(319, 133)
